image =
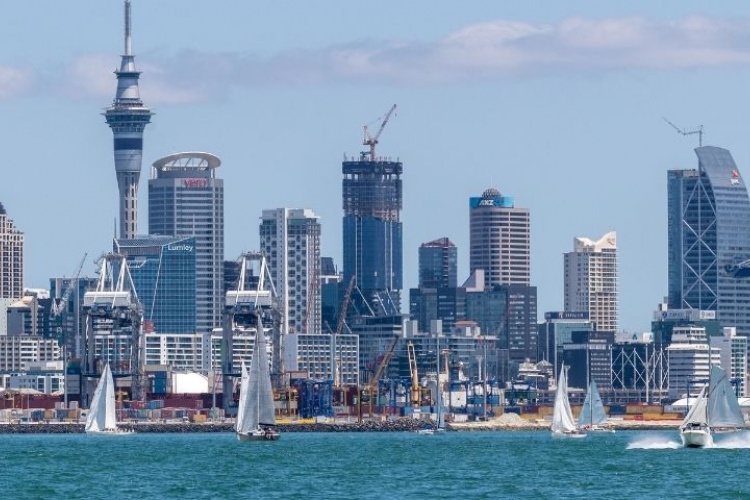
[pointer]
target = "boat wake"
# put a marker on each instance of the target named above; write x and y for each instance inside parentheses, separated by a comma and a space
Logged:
(654, 443)
(740, 440)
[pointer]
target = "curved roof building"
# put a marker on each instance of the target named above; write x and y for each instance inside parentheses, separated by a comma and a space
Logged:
(709, 239)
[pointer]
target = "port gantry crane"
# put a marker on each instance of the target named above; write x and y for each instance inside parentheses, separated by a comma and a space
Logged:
(114, 310)
(57, 311)
(244, 308)
(372, 140)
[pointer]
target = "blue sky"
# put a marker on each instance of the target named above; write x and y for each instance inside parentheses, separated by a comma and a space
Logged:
(558, 104)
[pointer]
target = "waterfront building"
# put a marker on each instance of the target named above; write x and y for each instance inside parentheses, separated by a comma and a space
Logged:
(331, 294)
(591, 280)
(438, 264)
(444, 304)
(163, 269)
(127, 117)
(66, 324)
(690, 359)
(186, 199)
(290, 239)
(180, 352)
(243, 343)
(556, 331)
(709, 239)
(733, 355)
(315, 353)
(500, 239)
(18, 351)
(11, 258)
(373, 232)
(47, 377)
(665, 320)
(589, 357)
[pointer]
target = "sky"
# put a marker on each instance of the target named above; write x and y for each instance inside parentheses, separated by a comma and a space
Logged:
(560, 105)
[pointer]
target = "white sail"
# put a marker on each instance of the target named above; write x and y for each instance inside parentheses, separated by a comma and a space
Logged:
(592, 412)
(562, 416)
(723, 408)
(256, 406)
(698, 413)
(101, 415)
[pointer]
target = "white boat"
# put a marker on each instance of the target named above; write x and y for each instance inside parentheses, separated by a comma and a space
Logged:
(563, 424)
(102, 418)
(593, 417)
(255, 411)
(715, 410)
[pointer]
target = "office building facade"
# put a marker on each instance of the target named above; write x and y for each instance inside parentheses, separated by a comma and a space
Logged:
(438, 264)
(290, 239)
(163, 271)
(500, 239)
(709, 239)
(186, 199)
(11, 258)
(591, 280)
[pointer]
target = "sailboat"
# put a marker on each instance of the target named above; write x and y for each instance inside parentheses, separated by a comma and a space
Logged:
(593, 418)
(255, 412)
(102, 418)
(563, 424)
(715, 410)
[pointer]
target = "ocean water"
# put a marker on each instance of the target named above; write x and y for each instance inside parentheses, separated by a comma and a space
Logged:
(466, 465)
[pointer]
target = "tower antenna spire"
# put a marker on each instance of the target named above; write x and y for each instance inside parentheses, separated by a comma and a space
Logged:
(128, 37)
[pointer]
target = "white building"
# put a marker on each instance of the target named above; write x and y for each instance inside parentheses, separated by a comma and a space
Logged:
(316, 354)
(733, 354)
(591, 280)
(182, 352)
(243, 345)
(290, 239)
(18, 351)
(690, 358)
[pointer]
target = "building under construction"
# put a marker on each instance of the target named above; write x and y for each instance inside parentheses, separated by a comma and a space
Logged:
(372, 198)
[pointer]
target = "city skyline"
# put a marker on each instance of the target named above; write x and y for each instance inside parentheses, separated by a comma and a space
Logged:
(481, 109)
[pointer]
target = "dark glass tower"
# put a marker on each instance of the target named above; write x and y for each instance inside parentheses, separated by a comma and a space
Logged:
(709, 239)
(127, 117)
(438, 263)
(373, 248)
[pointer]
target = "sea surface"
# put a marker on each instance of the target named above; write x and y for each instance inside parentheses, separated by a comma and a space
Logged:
(456, 465)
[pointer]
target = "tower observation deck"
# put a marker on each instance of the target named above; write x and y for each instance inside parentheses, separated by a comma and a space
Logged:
(127, 117)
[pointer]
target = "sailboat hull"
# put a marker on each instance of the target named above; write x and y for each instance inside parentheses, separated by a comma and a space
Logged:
(696, 438)
(259, 435)
(572, 434)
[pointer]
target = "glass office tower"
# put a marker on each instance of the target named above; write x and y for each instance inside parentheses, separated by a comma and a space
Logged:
(709, 239)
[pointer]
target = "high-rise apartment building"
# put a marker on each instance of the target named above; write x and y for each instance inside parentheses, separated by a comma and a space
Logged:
(591, 280)
(500, 239)
(127, 117)
(11, 258)
(438, 264)
(372, 230)
(709, 239)
(290, 239)
(186, 199)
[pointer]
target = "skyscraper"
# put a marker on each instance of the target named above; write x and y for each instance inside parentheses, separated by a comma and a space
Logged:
(290, 238)
(11, 258)
(438, 264)
(127, 117)
(372, 232)
(185, 199)
(591, 280)
(500, 239)
(709, 239)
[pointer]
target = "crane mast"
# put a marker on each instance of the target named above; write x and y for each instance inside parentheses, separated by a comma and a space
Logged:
(689, 131)
(370, 140)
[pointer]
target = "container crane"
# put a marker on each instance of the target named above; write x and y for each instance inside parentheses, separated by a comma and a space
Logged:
(59, 306)
(370, 140)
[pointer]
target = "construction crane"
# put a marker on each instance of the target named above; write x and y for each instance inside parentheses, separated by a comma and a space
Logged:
(373, 387)
(370, 140)
(335, 375)
(416, 396)
(689, 131)
(58, 306)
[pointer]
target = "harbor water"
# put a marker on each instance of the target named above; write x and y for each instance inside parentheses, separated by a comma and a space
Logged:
(627, 464)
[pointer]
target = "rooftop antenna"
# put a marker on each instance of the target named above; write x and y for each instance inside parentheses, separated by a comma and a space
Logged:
(689, 131)
(128, 38)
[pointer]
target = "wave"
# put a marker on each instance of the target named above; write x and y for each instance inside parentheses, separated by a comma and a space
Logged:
(654, 443)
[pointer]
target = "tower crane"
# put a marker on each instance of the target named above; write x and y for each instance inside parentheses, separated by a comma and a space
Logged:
(689, 131)
(370, 140)
(59, 306)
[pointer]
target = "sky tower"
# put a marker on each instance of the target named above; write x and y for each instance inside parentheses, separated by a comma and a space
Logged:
(127, 117)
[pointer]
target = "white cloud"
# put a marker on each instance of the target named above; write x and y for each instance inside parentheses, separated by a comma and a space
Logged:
(14, 81)
(485, 51)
